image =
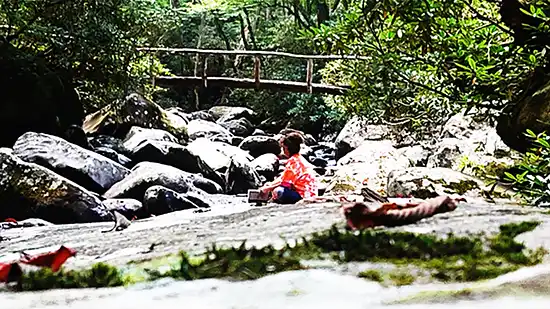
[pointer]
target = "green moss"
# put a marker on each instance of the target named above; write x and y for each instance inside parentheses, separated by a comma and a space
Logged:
(451, 258)
(401, 278)
(372, 275)
(100, 275)
(462, 186)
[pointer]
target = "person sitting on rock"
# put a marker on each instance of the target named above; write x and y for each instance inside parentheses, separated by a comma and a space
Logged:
(297, 180)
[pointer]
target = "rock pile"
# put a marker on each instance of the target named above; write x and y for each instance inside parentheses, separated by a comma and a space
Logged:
(143, 160)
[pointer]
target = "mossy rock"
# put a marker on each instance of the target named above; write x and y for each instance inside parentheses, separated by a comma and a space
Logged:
(32, 191)
(135, 110)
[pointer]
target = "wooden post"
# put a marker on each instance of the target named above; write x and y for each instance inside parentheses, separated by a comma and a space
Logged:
(257, 72)
(204, 67)
(151, 70)
(309, 73)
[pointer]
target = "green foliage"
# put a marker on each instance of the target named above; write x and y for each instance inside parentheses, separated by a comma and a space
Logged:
(454, 258)
(92, 42)
(371, 274)
(427, 59)
(99, 275)
(531, 179)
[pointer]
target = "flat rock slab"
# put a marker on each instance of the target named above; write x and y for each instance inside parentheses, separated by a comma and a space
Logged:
(315, 289)
(232, 221)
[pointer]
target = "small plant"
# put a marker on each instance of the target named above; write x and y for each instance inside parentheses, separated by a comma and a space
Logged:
(532, 180)
(401, 278)
(372, 275)
(99, 275)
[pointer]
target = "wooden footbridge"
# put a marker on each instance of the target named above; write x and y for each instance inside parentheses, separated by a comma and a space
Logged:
(250, 83)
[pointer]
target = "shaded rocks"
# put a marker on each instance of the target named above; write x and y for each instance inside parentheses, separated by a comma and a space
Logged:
(33, 191)
(159, 200)
(106, 141)
(531, 111)
(355, 132)
(147, 174)
(240, 127)
(138, 135)
(175, 155)
(228, 113)
(422, 182)
(128, 207)
(267, 165)
(201, 128)
(241, 176)
(258, 145)
(116, 119)
(88, 169)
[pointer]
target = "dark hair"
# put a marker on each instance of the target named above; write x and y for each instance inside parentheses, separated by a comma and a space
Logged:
(292, 142)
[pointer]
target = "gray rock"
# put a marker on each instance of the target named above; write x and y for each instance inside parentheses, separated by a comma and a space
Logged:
(227, 113)
(201, 115)
(266, 165)
(239, 127)
(372, 161)
(216, 154)
(159, 200)
(138, 135)
(418, 155)
(355, 132)
(128, 207)
(175, 155)
(241, 176)
(259, 145)
(147, 174)
(201, 128)
(33, 191)
(88, 169)
(107, 141)
(423, 182)
(134, 110)
(115, 156)
(258, 132)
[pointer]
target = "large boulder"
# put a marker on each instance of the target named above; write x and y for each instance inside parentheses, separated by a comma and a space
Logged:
(174, 155)
(468, 145)
(241, 176)
(258, 145)
(33, 97)
(423, 182)
(532, 112)
(159, 200)
(217, 154)
(239, 127)
(88, 169)
(116, 119)
(147, 174)
(29, 190)
(372, 161)
(228, 113)
(201, 128)
(267, 165)
(355, 132)
(138, 135)
(130, 208)
(107, 141)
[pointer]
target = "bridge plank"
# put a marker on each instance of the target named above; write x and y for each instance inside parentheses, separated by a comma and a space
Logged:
(249, 83)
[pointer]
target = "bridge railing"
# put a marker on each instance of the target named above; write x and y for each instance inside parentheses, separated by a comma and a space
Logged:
(256, 82)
